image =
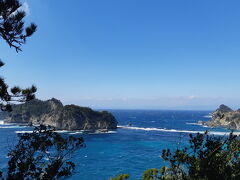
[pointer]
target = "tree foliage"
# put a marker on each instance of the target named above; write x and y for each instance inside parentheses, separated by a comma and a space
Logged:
(150, 174)
(42, 154)
(206, 158)
(14, 32)
(120, 177)
(12, 28)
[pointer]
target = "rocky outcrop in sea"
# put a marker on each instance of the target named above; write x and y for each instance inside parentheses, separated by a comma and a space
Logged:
(70, 117)
(224, 117)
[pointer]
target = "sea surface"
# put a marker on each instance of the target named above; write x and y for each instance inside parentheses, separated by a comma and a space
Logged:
(134, 147)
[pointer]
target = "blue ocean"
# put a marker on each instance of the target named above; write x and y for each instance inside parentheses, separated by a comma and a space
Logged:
(134, 147)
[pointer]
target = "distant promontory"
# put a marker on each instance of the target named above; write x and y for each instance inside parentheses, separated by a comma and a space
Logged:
(224, 117)
(70, 117)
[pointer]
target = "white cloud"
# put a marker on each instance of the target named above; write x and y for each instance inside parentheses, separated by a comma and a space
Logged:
(192, 102)
(25, 7)
(192, 97)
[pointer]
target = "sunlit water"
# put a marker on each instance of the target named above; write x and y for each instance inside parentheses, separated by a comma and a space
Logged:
(130, 149)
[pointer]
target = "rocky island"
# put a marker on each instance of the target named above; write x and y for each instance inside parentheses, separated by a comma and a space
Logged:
(70, 117)
(224, 117)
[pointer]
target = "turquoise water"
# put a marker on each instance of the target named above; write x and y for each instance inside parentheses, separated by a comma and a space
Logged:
(130, 149)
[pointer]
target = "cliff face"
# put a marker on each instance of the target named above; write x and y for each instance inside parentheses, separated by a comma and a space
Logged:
(69, 117)
(224, 117)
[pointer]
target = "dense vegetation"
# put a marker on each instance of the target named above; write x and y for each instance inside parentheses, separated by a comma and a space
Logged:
(206, 158)
(34, 108)
(42, 154)
(53, 112)
(12, 30)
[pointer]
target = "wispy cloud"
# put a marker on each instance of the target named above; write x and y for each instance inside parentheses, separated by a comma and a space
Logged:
(192, 97)
(25, 8)
(186, 103)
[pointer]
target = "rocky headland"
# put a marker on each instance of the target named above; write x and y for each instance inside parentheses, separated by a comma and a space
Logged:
(224, 117)
(70, 117)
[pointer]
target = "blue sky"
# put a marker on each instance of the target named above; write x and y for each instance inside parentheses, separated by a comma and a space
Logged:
(138, 54)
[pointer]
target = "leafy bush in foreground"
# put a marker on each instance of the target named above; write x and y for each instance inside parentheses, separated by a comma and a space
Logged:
(43, 154)
(207, 158)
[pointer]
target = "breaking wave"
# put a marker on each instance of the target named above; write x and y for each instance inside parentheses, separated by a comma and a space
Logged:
(108, 132)
(71, 132)
(194, 124)
(177, 131)
(21, 132)
(130, 128)
(12, 127)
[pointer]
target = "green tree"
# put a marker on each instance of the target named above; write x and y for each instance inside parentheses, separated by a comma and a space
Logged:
(14, 32)
(206, 158)
(42, 154)
(120, 177)
(150, 174)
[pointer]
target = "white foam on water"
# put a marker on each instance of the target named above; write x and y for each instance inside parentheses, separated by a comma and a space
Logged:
(78, 132)
(178, 131)
(59, 131)
(70, 132)
(194, 124)
(208, 116)
(31, 131)
(99, 132)
(3, 123)
(62, 131)
(12, 127)
(21, 132)
(197, 124)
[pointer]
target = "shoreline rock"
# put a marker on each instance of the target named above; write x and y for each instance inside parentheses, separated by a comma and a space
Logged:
(224, 117)
(70, 117)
